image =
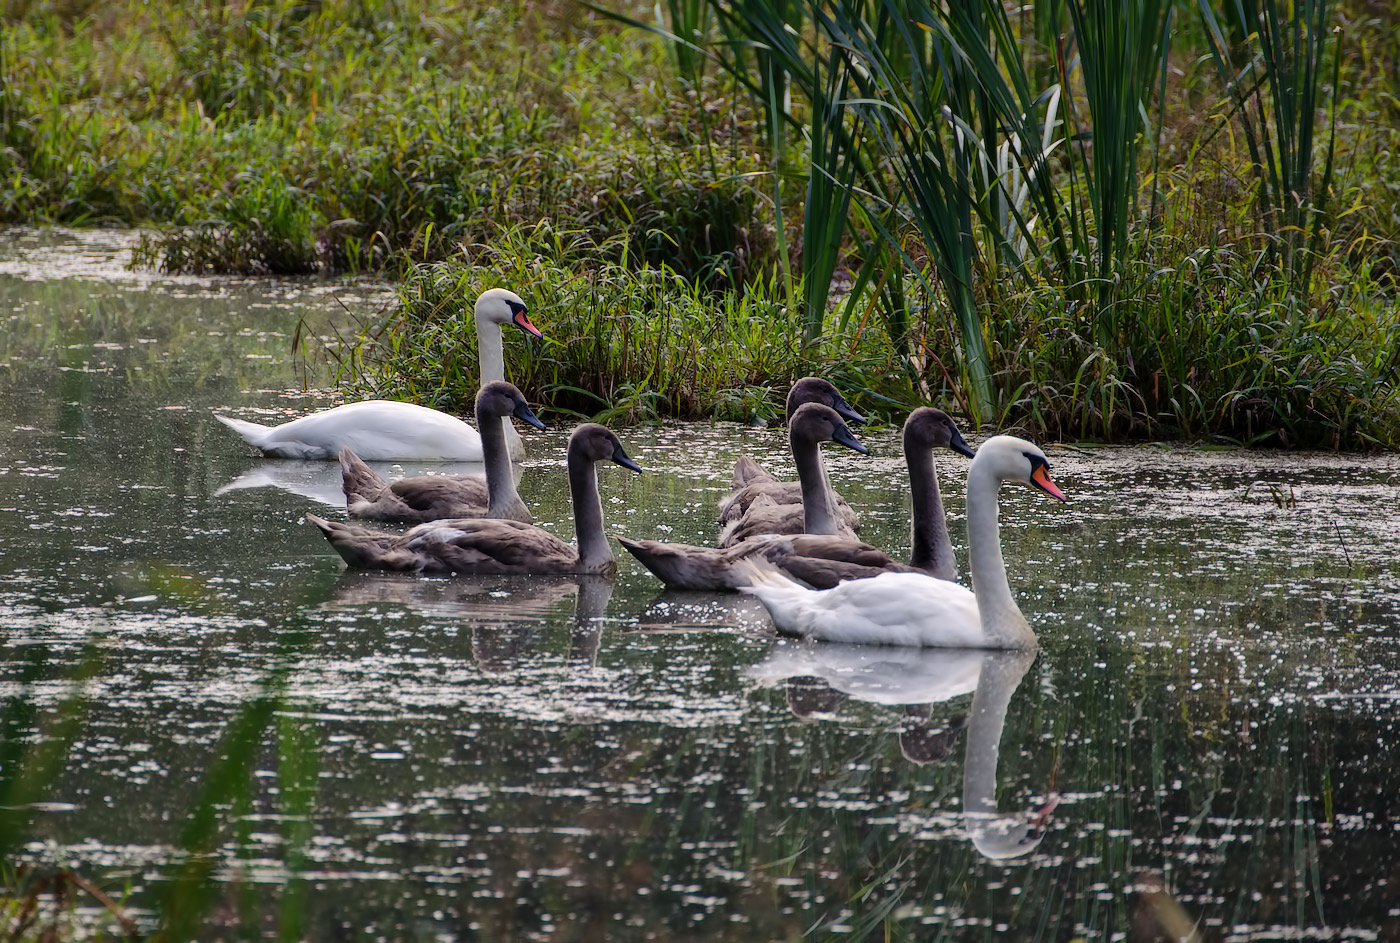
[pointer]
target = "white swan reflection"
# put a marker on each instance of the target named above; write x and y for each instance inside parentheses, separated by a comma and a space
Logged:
(322, 483)
(822, 675)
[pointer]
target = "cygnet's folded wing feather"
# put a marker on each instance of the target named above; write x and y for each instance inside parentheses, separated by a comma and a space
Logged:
(443, 495)
(819, 561)
(736, 504)
(765, 515)
(513, 546)
(409, 500)
(749, 472)
(479, 545)
(823, 572)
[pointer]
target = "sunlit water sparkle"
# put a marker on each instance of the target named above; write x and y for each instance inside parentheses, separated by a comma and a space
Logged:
(1214, 704)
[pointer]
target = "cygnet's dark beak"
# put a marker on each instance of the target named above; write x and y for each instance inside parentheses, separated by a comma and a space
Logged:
(845, 437)
(622, 459)
(525, 413)
(847, 412)
(958, 444)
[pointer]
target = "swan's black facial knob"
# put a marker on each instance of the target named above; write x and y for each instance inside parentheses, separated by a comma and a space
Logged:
(1040, 478)
(521, 319)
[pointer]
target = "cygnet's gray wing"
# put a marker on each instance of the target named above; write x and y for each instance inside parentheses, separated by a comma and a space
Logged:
(477, 545)
(819, 561)
(766, 516)
(409, 500)
(822, 561)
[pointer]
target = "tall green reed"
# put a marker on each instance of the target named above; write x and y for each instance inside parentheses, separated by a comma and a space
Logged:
(1123, 49)
(980, 145)
(946, 129)
(911, 86)
(1271, 59)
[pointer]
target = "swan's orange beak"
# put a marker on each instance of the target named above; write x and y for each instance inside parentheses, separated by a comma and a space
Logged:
(1041, 479)
(522, 321)
(1040, 818)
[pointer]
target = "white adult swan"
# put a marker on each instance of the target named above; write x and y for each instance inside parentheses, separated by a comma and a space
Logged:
(822, 561)
(381, 430)
(489, 545)
(913, 608)
(422, 498)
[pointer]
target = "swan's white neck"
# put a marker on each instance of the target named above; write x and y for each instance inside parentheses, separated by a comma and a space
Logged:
(489, 349)
(930, 547)
(995, 835)
(1002, 621)
(818, 502)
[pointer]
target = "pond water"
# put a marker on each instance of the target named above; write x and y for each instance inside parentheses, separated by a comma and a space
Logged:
(1206, 737)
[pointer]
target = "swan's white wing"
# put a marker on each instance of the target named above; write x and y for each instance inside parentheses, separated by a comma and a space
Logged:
(377, 430)
(889, 609)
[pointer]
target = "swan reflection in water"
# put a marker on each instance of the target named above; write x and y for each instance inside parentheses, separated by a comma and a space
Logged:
(322, 482)
(916, 678)
(505, 612)
(685, 610)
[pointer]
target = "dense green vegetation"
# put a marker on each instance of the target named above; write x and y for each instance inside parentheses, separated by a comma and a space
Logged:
(1089, 221)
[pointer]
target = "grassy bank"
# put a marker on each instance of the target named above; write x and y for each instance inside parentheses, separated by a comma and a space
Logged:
(1203, 359)
(697, 225)
(289, 137)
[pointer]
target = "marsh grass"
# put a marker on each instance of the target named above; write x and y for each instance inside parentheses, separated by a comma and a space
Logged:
(283, 138)
(1049, 218)
(1197, 359)
(1200, 358)
(621, 344)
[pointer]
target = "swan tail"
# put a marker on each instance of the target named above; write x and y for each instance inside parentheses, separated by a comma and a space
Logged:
(761, 577)
(748, 472)
(366, 549)
(681, 566)
(786, 599)
(357, 479)
(254, 433)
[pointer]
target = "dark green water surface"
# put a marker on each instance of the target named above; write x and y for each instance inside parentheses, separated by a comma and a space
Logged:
(1207, 736)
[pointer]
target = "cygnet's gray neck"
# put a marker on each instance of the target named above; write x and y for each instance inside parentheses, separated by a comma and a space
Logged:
(594, 553)
(931, 549)
(502, 499)
(818, 501)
